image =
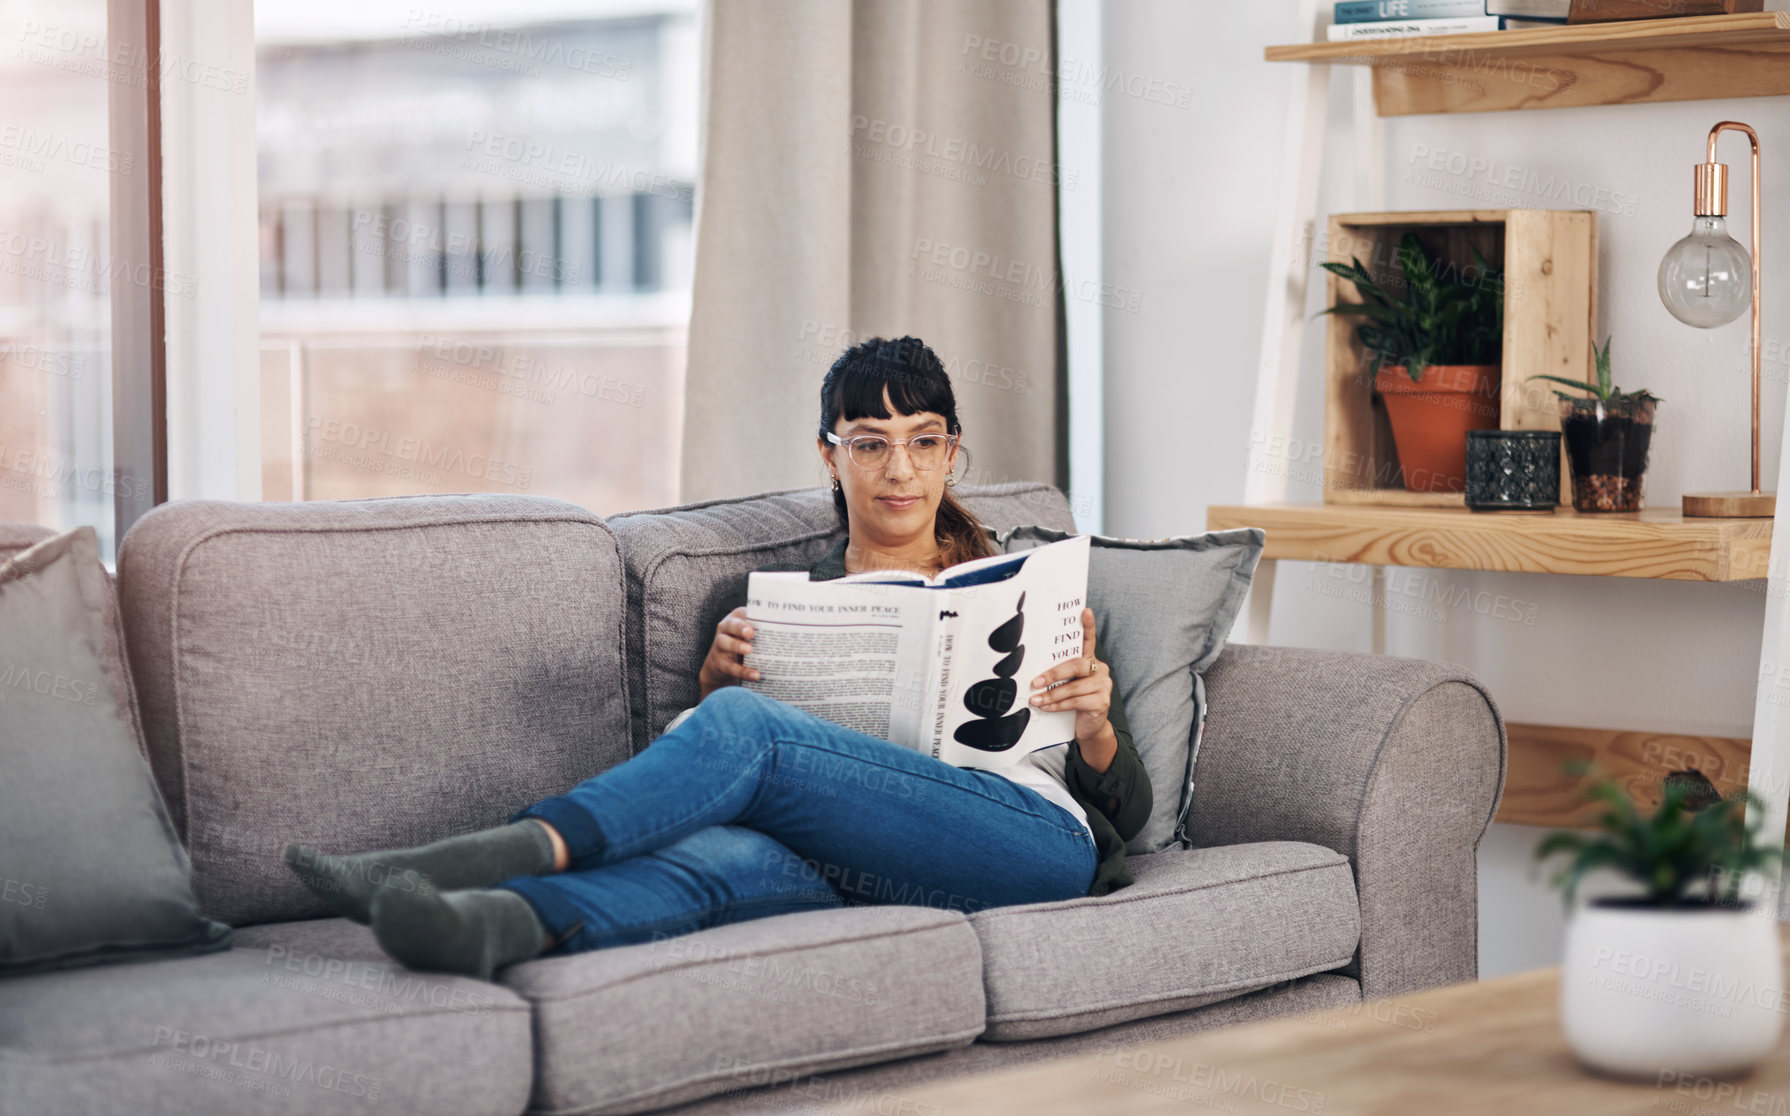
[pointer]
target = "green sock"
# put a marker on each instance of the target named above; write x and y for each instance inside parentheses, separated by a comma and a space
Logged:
(482, 859)
(470, 932)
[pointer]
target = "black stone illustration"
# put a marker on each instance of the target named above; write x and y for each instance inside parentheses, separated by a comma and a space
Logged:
(996, 730)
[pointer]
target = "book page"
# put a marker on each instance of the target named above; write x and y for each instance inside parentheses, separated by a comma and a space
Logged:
(993, 638)
(855, 655)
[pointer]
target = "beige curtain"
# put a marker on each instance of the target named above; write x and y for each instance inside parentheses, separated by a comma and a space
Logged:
(874, 167)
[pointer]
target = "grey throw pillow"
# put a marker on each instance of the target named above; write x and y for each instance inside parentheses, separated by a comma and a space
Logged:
(1162, 610)
(90, 866)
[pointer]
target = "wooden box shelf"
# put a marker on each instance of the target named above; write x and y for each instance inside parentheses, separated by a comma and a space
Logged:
(1538, 790)
(1549, 261)
(1684, 59)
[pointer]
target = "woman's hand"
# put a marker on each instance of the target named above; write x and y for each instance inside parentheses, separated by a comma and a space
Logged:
(1087, 688)
(724, 665)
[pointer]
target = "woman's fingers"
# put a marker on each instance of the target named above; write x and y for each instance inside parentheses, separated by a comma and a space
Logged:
(733, 667)
(733, 640)
(1082, 666)
(733, 656)
(1068, 695)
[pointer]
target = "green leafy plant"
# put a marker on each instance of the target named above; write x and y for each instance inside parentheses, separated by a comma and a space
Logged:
(1605, 388)
(1435, 320)
(1680, 848)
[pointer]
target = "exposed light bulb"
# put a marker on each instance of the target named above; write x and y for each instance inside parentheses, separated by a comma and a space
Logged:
(1706, 279)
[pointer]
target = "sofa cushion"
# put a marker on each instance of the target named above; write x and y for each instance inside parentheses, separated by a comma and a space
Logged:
(635, 1028)
(683, 563)
(117, 885)
(1162, 610)
(1197, 926)
(264, 1030)
(366, 674)
(15, 537)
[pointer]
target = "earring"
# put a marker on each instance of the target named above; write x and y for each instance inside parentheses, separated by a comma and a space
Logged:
(835, 482)
(950, 482)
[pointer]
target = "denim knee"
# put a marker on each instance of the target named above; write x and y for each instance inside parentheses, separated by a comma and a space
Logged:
(732, 720)
(763, 865)
(727, 847)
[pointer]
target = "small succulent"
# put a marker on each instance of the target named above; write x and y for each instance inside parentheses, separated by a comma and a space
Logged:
(1695, 840)
(1604, 389)
(1435, 320)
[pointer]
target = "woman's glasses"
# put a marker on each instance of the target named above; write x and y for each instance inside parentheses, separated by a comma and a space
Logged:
(872, 451)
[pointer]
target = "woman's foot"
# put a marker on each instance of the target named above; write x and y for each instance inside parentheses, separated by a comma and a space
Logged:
(474, 933)
(482, 859)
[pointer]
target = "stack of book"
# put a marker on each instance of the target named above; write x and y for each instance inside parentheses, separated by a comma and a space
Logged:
(1377, 19)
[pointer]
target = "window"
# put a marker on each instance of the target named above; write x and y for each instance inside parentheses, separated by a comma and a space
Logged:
(59, 166)
(475, 241)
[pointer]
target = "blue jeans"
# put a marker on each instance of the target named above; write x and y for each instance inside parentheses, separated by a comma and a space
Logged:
(753, 807)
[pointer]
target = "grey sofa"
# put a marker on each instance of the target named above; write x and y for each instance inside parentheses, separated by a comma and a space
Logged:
(384, 672)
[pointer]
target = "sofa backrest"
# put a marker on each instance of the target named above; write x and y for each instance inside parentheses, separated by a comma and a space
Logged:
(684, 563)
(366, 673)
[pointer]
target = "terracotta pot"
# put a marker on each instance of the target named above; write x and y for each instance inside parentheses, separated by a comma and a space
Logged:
(1431, 417)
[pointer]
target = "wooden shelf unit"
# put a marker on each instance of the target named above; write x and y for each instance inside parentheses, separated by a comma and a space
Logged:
(1689, 58)
(1651, 543)
(1682, 59)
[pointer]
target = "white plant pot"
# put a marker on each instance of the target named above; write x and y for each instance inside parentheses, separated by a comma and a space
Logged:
(1646, 991)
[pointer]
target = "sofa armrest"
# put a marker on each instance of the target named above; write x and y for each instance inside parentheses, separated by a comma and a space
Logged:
(1398, 764)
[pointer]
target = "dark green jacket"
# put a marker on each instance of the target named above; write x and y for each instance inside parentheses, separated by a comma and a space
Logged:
(1117, 802)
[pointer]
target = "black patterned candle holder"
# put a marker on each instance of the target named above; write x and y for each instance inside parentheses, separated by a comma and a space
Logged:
(1513, 470)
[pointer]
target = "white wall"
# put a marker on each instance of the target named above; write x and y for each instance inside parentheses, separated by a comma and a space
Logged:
(1188, 209)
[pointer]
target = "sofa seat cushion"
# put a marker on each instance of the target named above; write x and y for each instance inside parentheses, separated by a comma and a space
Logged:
(310, 1022)
(635, 1028)
(1197, 926)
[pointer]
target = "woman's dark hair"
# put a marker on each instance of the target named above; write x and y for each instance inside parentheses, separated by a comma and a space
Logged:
(916, 382)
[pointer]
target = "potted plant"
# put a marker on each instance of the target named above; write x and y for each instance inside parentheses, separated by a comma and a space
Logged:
(1433, 350)
(1608, 433)
(1685, 975)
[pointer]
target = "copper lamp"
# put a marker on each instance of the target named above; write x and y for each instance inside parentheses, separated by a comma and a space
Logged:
(1700, 281)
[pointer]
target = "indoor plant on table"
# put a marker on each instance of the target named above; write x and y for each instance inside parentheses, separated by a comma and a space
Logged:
(1433, 350)
(1607, 435)
(1686, 976)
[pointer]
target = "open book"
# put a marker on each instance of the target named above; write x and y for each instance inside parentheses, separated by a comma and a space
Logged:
(943, 665)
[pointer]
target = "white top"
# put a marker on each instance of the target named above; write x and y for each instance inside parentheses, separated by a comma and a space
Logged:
(1045, 771)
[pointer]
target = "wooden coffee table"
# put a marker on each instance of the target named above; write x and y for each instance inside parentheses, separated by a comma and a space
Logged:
(1491, 1047)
